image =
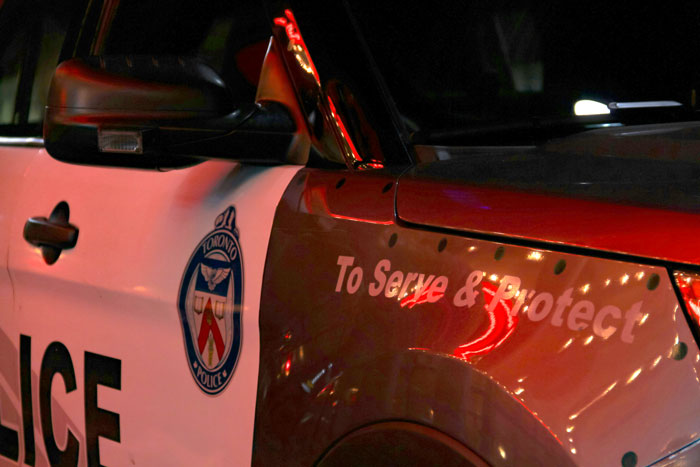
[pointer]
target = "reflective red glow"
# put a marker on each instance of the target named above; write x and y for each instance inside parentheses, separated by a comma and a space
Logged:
(343, 130)
(539, 420)
(357, 219)
(301, 53)
(427, 295)
(501, 327)
(316, 200)
(287, 365)
(689, 285)
(296, 43)
(372, 165)
(327, 389)
(289, 27)
(620, 227)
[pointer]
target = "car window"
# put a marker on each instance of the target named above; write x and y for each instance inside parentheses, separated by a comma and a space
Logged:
(33, 34)
(347, 77)
(492, 72)
(53, 28)
(232, 37)
(9, 76)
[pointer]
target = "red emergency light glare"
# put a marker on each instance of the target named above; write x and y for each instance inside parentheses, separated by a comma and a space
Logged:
(289, 25)
(689, 285)
(415, 299)
(373, 164)
(288, 22)
(293, 31)
(296, 41)
(343, 130)
(501, 326)
(287, 365)
(319, 193)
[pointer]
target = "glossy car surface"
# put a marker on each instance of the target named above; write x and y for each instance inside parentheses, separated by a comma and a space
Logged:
(313, 233)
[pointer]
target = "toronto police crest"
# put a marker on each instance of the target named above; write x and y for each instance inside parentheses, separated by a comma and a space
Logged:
(209, 303)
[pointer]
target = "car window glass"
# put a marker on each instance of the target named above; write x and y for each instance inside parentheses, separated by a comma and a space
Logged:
(53, 32)
(485, 72)
(14, 35)
(9, 77)
(32, 33)
(230, 36)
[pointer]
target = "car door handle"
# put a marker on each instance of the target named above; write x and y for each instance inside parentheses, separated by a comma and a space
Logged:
(52, 235)
(40, 231)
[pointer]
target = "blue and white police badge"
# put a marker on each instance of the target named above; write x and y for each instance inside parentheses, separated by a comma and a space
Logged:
(209, 302)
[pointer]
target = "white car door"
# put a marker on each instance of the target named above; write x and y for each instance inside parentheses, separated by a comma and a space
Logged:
(105, 314)
(137, 344)
(25, 64)
(14, 161)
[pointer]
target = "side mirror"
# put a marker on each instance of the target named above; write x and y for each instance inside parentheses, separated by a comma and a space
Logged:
(157, 112)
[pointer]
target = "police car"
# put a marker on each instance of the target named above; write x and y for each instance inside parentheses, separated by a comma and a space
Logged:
(348, 234)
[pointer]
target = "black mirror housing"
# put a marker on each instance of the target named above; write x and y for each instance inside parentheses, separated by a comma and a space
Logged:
(158, 113)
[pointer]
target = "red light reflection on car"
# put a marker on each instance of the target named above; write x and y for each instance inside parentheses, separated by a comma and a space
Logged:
(288, 365)
(501, 327)
(689, 285)
(539, 420)
(343, 130)
(411, 300)
(296, 43)
(301, 53)
(315, 201)
(373, 164)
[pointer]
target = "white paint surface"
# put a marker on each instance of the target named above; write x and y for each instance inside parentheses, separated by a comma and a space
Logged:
(115, 294)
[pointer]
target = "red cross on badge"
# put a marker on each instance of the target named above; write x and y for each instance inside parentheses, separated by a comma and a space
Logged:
(209, 326)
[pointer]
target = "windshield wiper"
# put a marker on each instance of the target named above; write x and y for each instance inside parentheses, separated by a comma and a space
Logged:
(643, 105)
(529, 131)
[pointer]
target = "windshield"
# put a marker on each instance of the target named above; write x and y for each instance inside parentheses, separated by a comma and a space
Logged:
(490, 72)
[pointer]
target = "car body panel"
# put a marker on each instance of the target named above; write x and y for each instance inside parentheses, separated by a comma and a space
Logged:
(13, 170)
(115, 295)
(490, 305)
(342, 347)
(603, 199)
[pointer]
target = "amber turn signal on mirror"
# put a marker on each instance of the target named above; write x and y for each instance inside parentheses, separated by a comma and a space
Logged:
(129, 142)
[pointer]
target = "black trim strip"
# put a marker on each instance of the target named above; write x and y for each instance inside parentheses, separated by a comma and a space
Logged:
(693, 327)
(552, 246)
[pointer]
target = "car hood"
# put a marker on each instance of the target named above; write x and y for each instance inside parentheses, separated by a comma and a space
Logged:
(633, 190)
